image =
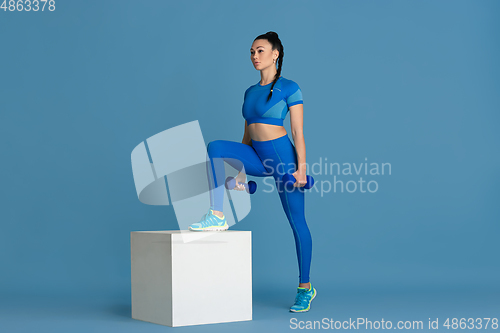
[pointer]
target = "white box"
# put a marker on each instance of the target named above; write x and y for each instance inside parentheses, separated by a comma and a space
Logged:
(183, 277)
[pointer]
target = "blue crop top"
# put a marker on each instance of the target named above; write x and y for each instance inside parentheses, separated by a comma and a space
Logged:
(256, 108)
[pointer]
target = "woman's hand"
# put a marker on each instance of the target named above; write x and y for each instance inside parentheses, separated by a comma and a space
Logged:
(240, 179)
(300, 177)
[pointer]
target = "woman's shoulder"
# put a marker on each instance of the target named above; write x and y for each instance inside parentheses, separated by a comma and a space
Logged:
(249, 89)
(253, 86)
(289, 84)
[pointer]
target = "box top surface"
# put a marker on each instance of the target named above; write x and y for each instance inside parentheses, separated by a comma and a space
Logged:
(187, 231)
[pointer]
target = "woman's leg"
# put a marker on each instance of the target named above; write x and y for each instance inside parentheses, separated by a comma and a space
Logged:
(240, 156)
(293, 202)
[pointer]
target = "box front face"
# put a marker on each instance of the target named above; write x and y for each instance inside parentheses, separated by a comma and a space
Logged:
(151, 277)
(212, 278)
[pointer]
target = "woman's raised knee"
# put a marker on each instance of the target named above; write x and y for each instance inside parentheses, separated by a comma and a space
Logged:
(214, 148)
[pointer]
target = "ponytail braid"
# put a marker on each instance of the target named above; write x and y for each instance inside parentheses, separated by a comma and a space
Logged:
(273, 38)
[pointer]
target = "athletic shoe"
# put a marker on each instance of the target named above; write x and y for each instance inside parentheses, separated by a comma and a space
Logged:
(303, 299)
(210, 222)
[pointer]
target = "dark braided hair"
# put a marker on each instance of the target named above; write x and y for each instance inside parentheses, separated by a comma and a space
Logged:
(273, 38)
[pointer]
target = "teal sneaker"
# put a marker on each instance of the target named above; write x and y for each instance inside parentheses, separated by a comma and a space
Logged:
(210, 222)
(303, 299)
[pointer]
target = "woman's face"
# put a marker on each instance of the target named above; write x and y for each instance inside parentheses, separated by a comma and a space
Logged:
(262, 54)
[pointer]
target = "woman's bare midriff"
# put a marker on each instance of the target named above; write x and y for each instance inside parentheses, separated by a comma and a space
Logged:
(265, 132)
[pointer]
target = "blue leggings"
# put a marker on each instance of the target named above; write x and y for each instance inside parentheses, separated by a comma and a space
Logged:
(264, 158)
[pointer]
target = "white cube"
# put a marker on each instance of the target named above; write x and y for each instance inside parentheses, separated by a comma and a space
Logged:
(182, 277)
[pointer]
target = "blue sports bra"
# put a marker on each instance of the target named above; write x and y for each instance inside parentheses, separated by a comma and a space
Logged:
(256, 108)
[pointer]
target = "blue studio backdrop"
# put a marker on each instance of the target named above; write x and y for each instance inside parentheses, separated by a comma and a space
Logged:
(408, 87)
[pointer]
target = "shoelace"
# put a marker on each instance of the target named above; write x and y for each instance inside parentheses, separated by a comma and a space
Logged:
(301, 296)
(206, 221)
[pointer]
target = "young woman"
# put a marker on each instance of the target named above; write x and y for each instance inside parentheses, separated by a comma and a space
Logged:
(266, 150)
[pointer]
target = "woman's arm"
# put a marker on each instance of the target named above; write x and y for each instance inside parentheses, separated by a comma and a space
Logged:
(297, 127)
(241, 177)
(246, 137)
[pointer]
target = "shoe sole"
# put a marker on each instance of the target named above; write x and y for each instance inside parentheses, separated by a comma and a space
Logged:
(223, 228)
(309, 307)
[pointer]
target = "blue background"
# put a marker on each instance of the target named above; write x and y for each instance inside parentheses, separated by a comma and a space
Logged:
(410, 83)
